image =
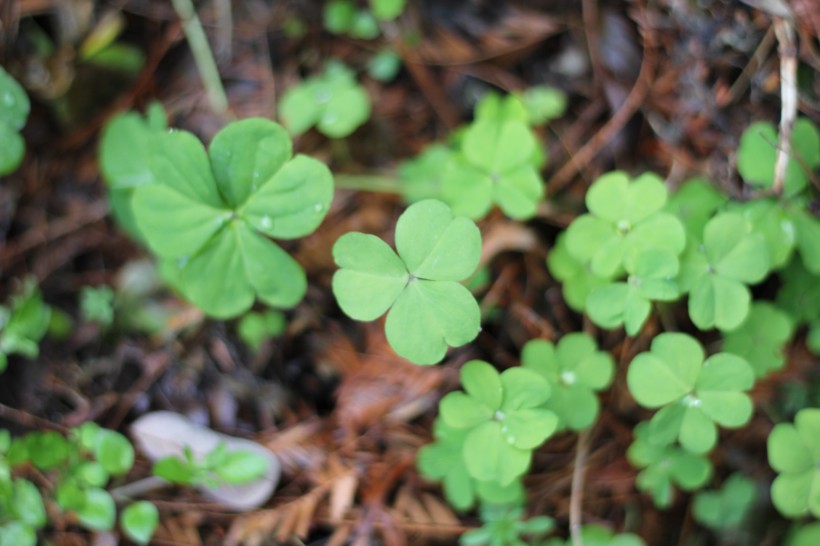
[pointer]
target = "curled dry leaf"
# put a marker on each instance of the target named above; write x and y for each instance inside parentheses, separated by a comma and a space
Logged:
(163, 433)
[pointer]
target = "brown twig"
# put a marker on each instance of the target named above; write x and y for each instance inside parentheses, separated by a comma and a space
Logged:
(784, 30)
(576, 499)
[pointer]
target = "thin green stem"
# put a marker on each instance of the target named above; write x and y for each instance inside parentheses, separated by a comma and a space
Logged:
(368, 182)
(203, 57)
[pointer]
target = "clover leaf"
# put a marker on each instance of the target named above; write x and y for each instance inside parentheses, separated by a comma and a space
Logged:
(597, 535)
(504, 525)
(651, 277)
(806, 535)
(694, 203)
(757, 154)
(761, 338)
(332, 101)
(665, 465)
(544, 103)
(807, 227)
(429, 309)
(444, 460)
(693, 395)
(504, 417)
(139, 520)
(494, 167)
(575, 369)
(577, 281)
(421, 176)
(794, 452)
(727, 507)
(211, 212)
(625, 218)
(14, 109)
(716, 273)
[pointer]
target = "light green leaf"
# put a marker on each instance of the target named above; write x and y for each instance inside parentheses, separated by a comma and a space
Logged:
(490, 457)
(98, 512)
(787, 451)
(718, 302)
(467, 189)
(460, 411)
(241, 467)
(668, 372)
(114, 452)
(523, 389)
(139, 520)
(496, 147)
(518, 192)
(245, 155)
(483, 383)
(14, 103)
(387, 10)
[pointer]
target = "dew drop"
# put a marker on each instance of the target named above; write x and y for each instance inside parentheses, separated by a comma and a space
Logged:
(8, 100)
(266, 222)
(182, 261)
(511, 440)
(318, 207)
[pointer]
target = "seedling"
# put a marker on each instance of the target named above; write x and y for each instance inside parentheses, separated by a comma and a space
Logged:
(716, 273)
(23, 324)
(14, 109)
(345, 17)
(444, 460)
(664, 466)
(494, 166)
(693, 395)
(727, 507)
(384, 65)
(757, 153)
(651, 275)
(504, 416)
(332, 101)
(208, 214)
(506, 526)
(575, 369)
(219, 466)
(79, 466)
(626, 218)
(794, 452)
(596, 535)
(577, 281)
(544, 103)
(428, 308)
(255, 328)
(761, 338)
(125, 160)
(97, 304)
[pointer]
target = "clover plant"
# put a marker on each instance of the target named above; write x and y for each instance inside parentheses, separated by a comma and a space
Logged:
(126, 149)
(219, 465)
(597, 535)
(80, 466)
(577, 280)
(664, 466)
(254, 328)
(761, 338)
(505, 526)
(794, 453)
(625, 219)
(332, 101)
(495, 165)
(345, 17)
(694, 395)
(22, 510)
(694, 203)
(444, 460)
(428, 308)
(97, 304)
(207, 215)
(716, 272)
(14, 109)
(575, 369)
(23, 324)
(504, 417)
(757, 152)
(726, 507)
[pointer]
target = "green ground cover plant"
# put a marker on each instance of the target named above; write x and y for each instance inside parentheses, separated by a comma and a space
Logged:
(14, 109)
(727, 507)
(597, 535)
(419, 285)
(23, 323)
(794, 452)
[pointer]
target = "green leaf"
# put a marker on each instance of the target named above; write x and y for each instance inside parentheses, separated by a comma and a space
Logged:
(489, 456)
(523, 389)
(13, 149)
(387, 10)
(98, 512)
(47, 449)
(807, 535)
(794, 452)
(15, 533)
(435, 245)
(246, 155)
(615, 198)
(125, 151)
(769, 218)
(668, 372)
(421, 177)
(694, 203)
(443, 460)
(175, 470)
(808, 238)
(725, 508)
(761, 338)
(338, 16)
(26, 504)
(114, 452)
(139, 520)
(96, 304)
(368, 266)
(461, 411)
(576, 279)
(242, 467)
(544, 103)
(255, 328)
(14, 103)
(483, 383)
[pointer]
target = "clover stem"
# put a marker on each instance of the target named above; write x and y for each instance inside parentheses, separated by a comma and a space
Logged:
(368, 182)
(577, 490)
(203, 57)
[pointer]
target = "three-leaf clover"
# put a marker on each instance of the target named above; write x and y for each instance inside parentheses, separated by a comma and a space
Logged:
(651, 276)
(504, 417)
(14, 109)
(625, 218)
(495, 166)
(332, 101)
(210, 213)
(716, 272)
(665, 465)
(693, 395)
(575, 369)
(757, 153)
(761, 338)
(726, 507)
(429, 309)
(794, 452)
